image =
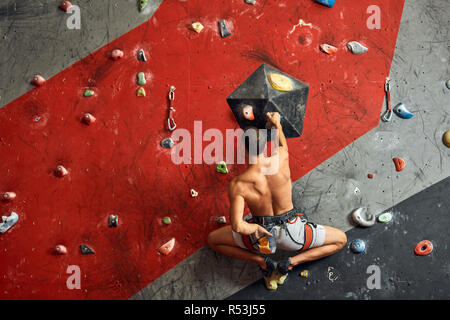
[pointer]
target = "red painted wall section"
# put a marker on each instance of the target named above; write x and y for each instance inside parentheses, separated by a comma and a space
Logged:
(116, 166)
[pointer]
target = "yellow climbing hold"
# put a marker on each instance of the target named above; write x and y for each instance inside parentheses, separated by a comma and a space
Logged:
(279, 82)
(197, 27)
(446, 138)
(141, 92)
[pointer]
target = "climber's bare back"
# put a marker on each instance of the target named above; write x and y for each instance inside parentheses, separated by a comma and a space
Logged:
(266, 195)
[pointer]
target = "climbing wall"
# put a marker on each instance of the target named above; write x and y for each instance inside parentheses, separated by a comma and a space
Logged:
(116, 165)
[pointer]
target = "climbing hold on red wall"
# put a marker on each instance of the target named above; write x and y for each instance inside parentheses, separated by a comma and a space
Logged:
(38, 80)
(88, 118)
(250, 1)
(113, 221)
(60, 171)
(224, 32)
(8, 222)
(446, 138)
(329, 49)
(423, 248)
(247, 112)
(60, 249)
(197, 27)
(222, 167)
(399, 164)
(194, 193)
(141, 55)
(88, 93)
(356, 47)
(65, 6)
(167, 143)
(167, 220)
(222, 220)
(363, 219)
(166, 248)
(141, 78)
(328, 3)
(7, 196)
(86, 250)
(116, 54)
(140, 92)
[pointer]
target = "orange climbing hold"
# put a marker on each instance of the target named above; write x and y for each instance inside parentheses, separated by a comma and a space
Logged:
(166, 248)
(329, 49)
(423, 248)
(399, 164)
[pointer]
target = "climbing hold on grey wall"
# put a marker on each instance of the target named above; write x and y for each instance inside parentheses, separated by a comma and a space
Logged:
(38, 80)
(167, 143)
(370, 176)
(328, 3)
(446, 138)
(65, 6)
(86, 250)
(401, 111)
(8, 196)
(356, 47)
(222, 167)
(60, 249)
(399, 164)
(113, 221)
(8, 222)
(222, 220)
(142, 4)
(362, 218)
(224, 32)
(385, 217)
(358, 246)
(116, 54)
(423, 248)
(447, 83)
(327, 48)
(141, 55)
(88, 93)
(60, 171)
(141, 78)
(88, 119)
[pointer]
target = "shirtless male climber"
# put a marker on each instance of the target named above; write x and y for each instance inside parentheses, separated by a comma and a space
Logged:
(273, 222)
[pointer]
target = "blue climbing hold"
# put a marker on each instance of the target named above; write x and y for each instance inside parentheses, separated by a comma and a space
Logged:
(402, 112)
(328, 3)
(358, 246)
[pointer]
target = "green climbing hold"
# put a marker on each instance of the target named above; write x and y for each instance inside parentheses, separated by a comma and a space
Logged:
(167, 220)
(88, 93)
(222, 167)
(142, 4)
(141, 78)
(385, 217)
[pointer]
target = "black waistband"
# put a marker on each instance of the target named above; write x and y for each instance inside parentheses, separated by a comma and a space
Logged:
(277, 219)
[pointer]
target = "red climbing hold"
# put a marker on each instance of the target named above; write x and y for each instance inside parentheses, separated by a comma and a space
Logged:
(38, 80)
(399, 164)
(423, 248)
(247, 111)
(88, 118)
(60, 171)
(8, 196)
(116, 54)
(166, 248)
(60, 249)
(370, 176)
(65, 6)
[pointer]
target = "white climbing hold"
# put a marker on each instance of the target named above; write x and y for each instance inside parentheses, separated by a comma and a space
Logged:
(60, 171)
(7, 196)
(356, 47)
(363, 219)
(38, 80)
(222, 220)
(194, 193)
(8, 222)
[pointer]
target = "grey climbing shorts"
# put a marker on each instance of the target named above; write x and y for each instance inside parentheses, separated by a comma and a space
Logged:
(293, 234)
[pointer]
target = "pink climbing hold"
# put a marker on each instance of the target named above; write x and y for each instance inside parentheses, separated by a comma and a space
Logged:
(7, 196)
(65, 6)
(60, 249)
(88, 118)
(116, 54)
(166, 248)
(329, 49)
(247, 111)
(38, 80)
(60, 171)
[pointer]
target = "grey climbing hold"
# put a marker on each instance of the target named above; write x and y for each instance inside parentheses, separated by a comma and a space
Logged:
(141, 78)
(113, 221)
(356, 47)
(447, 83)
(167, 143)
(363, 219)
(224, 32)
(385, 217)
(86, 250)
(8, 222)
(358, 246)
(222, 220)
(401, 111)
(141, 55)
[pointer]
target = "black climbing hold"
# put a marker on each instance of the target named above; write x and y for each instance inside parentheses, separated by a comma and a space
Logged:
(288, 97)
(86, 250)
(224, 32)
(113, 221)
(141, 55)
